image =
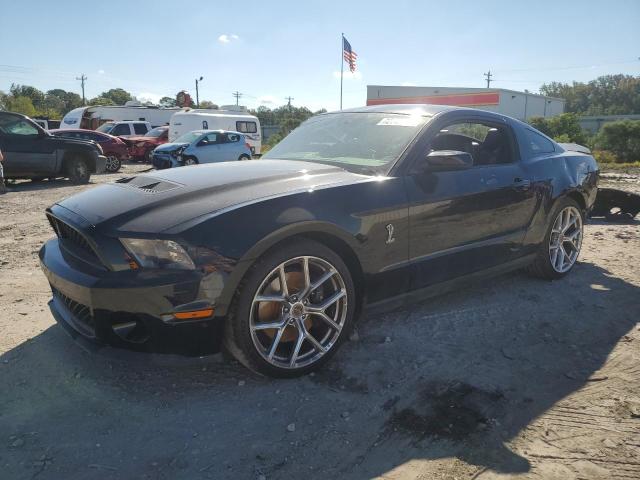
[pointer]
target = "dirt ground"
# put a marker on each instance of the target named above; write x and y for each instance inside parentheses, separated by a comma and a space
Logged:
(514, 378)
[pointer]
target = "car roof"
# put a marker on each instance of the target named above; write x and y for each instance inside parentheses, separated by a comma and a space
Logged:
(215, 131)
(401, 109)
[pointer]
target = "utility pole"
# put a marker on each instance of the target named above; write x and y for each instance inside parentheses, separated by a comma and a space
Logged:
(82, 79)
(488, 76)
(197, 93)
(237, 95)
(289, 101)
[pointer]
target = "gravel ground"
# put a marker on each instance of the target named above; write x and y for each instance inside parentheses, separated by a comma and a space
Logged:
(514, 378)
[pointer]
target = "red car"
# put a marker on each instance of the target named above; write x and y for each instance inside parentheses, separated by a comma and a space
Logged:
(141, 147)
(114, 148)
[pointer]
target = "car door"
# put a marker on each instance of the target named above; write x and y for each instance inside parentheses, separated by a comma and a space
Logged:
(208, 148)
(28, 150)
(121, 129)
(463, 221)
(231, 147)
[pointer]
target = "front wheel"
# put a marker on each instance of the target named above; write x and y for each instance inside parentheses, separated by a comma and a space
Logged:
(562, 243)
(292, 311)
(78, 171)
(190, 161)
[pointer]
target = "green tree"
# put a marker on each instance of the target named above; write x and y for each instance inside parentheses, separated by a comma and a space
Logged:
(118, 96)
(620, 138)
(167, 102)
(208, 104)
(36, 96)
(562, 128)
(606, 95)
(20, 104)
(71, 100)
(101, 101)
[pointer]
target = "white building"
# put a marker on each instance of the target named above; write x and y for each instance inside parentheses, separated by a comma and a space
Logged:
(515, 104)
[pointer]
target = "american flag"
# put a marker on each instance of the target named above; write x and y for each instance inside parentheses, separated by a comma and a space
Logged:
(349, 55)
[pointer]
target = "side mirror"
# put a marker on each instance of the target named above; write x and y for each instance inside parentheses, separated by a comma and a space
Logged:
(448, 160)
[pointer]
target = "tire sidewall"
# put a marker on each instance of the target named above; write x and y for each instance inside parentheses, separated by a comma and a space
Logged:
(74, 177)
(237, 328)
(561, 205)
(118, 164)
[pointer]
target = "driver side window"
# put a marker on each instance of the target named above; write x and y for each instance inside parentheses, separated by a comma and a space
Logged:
(488, 144)
(209, 139)
(20, 127)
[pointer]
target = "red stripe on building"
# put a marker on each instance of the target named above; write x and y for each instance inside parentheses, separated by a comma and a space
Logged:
(463, 99)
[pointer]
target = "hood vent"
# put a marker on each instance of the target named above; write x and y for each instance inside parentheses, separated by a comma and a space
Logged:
(147, 184)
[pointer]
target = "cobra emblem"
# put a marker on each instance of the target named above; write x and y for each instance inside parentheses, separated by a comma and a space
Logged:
(390, 237)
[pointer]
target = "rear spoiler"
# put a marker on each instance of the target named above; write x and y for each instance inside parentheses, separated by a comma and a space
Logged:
(574, 147)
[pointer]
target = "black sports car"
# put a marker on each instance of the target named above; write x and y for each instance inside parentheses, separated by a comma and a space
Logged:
(275, 258)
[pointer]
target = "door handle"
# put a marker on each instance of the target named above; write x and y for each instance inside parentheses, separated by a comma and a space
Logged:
(521, 183)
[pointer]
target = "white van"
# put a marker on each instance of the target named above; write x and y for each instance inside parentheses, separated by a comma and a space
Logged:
(202, 119)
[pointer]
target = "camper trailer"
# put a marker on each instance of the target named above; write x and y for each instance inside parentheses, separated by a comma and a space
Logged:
(204, 119)
(91, 118)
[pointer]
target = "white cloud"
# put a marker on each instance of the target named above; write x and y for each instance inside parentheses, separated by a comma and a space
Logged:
(149, 97)
(408, 84)
(267, 100)
(348, 75)
(228, 38)
(101, 72)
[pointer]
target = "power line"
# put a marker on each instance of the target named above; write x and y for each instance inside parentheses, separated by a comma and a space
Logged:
(488, 77)
(237, 95)
(82, 79)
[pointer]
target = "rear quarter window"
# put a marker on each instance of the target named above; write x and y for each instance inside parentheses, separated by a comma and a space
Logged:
(536, 144)
(140, 128)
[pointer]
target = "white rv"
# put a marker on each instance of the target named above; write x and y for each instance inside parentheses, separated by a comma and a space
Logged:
(92, 117)
(204, 119)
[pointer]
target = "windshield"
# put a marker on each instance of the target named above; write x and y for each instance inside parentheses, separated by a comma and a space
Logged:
(156, 132)
(359, 142)
(106, 127)
(187, 137)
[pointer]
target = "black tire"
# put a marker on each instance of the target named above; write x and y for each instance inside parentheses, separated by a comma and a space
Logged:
(244, 157)
(113, 164)
(542, 266)
(237, 338)
(148, 157)
(190, 160)
(78, 171)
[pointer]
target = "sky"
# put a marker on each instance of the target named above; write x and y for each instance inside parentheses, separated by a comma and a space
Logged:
(272, 50)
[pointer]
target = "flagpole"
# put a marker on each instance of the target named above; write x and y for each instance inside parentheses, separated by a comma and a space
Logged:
(341, 66)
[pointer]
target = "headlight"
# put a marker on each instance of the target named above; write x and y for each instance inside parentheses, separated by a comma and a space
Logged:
(178, 152)
(158, 253)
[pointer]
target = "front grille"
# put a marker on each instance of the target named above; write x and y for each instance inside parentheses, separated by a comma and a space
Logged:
(71, 237)
(81, 316)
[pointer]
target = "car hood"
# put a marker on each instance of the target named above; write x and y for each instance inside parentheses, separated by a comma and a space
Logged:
(66, 141)
(169, 147)
(157, 201)
(136, 138)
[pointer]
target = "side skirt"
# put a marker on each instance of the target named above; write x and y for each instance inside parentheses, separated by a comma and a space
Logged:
(437, 289)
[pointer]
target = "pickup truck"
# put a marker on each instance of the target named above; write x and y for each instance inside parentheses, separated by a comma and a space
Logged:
(127, 127)
(31, 152)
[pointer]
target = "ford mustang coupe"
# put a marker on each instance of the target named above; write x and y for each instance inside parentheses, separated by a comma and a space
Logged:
(275, 259)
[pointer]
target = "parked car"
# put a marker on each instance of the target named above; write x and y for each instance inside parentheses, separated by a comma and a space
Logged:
(31, 152)
(47, 123)
(114, 148)
(204, 119)
(202, 146)
(354, 210)
(119, 129)
(141, 147)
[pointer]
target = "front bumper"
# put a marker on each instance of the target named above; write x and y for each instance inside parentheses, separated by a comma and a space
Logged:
(162, 161)
(129, 310)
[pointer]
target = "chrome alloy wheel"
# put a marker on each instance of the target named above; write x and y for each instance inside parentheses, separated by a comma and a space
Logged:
(566, 239)
(298, 312)
(113, 164)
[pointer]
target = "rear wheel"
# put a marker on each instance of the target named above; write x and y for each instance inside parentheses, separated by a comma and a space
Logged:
(292, 311)
(244, 157)
(562, 243)
(78, 171)
(113, 163)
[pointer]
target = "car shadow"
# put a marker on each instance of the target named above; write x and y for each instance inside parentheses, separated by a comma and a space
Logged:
(456, 377)
(30, 186)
